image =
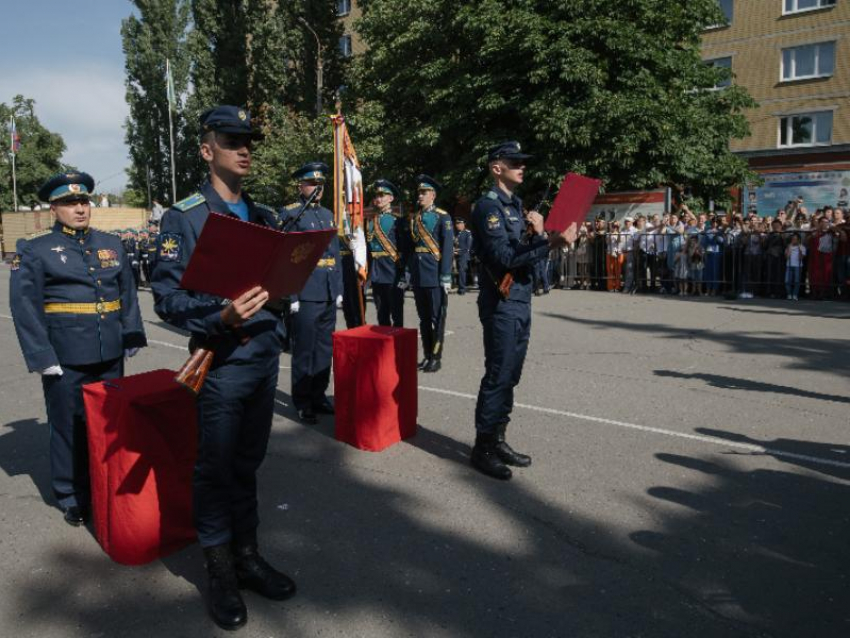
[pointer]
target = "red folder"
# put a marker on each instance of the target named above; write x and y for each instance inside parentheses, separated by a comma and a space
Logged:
(575, 197)
(233, 256)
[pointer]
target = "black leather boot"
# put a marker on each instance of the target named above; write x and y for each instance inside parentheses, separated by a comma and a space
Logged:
(433, 365)
(505, 452)
(226, 605)
(254, 573)
(485, 460)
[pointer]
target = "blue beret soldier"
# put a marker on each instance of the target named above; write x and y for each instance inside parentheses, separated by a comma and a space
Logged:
(236, 404)
(388, 242)
(76, 314)
(430, 265)
(313, 309)
(506, 244)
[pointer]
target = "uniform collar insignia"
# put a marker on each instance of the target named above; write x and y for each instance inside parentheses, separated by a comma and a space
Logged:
(72, 232)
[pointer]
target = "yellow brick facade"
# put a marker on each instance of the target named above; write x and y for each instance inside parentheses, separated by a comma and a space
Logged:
(755, 39)
(348, 20)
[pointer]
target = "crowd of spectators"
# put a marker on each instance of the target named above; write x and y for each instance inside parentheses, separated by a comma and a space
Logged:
(791, 254)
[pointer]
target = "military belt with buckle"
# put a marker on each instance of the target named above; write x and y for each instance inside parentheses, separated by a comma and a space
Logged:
(326, 263)
(97, 308)
(343, 251)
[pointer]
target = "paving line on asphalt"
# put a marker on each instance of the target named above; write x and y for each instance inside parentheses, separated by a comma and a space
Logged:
(750, 447)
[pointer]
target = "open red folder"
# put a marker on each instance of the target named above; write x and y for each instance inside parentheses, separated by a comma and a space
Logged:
(233, 256)
(575, 197)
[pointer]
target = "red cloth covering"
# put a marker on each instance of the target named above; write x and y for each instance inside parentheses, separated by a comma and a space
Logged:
(375, 386)
(142, 436)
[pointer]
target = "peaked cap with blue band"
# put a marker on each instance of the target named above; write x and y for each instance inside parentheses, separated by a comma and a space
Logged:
(507, 150)
(65, 185)
(313, 171)
(385, 187)
(228, 119)
(426, 182)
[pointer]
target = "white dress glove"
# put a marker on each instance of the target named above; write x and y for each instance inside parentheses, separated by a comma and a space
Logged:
(447, 288)
(52, 371)
(294, 307)
(339, 301)
(130, 352)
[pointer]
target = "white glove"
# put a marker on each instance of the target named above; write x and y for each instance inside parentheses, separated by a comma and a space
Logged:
(294, 307)
(130, 352)
(402, 284)
(52, 371)
(447, 288)
(339, 301)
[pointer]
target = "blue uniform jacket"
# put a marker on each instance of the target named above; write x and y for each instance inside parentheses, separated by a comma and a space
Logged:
(498, 229)
(325, 282)
(200, 313)
(426, 269)
(384, 270)
(68, 266)
(464, 245)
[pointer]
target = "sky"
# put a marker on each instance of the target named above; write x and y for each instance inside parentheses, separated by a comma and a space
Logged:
(67, 57)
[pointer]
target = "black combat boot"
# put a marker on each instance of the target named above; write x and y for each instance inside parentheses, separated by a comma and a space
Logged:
(485, 459)
(433, 365)
(226, 606)
(505, 452)
(254, 573)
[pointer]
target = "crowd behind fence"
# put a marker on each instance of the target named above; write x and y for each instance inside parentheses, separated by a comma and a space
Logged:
(790, 255)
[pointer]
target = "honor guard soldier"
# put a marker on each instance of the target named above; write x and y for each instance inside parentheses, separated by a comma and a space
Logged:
(313, 310)
(387, 242)
(353, 267)
(77, 316)
(430, 266)
(463, 243)
(236, 404)
(508, 254)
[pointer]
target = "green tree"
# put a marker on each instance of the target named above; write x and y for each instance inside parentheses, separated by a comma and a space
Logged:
(39, 156)
(157, 34)
(617, 90)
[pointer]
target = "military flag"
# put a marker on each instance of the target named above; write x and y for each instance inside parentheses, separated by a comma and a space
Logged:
(349, 198)
(15, 138)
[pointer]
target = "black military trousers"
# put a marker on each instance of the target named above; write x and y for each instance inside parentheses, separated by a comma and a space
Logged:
(350, 293)
(312, 352)
(507, 329)
(462, 273)
(429, 307)
(235, 409)
(389, 304)
(66, 415)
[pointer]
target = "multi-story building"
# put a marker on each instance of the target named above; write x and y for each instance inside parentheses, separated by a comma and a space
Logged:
(350, 43)
(793, 56)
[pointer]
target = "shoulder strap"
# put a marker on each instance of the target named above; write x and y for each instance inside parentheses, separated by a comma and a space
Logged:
(190, 202)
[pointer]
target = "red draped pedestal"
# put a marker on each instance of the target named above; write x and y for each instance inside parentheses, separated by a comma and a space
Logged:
(375, 386)
(142, 437)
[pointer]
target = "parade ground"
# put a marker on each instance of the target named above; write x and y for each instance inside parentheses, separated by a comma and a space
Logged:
(691, 478)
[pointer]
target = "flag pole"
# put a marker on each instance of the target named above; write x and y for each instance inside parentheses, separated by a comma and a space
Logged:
(14, 173)
(171, 132)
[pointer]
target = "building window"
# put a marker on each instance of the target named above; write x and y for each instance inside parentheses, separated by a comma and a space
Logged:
(805, 129)
(796, 6)
(345, 46)
(722, 63)
(726, 8)
(809, 61)
(343, 7)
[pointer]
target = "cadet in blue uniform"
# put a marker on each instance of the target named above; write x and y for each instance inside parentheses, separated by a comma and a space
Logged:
(76, 314)
(236, 404)
(503, 246)
(388, 248)
(463, 241)
(430, 266)
(314, 308)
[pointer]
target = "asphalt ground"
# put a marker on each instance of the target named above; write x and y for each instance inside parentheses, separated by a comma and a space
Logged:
(691, 477)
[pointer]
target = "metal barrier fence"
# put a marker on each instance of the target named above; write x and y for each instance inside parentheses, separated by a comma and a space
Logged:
(784, 264)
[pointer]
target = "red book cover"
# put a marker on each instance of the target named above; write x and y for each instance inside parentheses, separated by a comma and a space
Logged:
(575, 197)
(233, 256)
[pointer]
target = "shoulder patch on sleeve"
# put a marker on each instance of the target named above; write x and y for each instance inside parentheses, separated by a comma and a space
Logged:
(493, 220)
(16, 261)
(170, 246)
(190, 202)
